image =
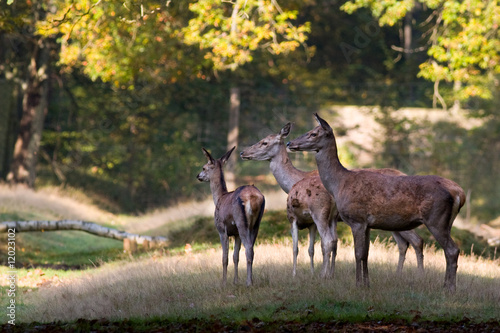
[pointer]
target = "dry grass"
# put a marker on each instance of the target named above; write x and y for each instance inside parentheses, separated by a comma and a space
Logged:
(51, 202)
(55, 203)
(188, 286)
(275, 200)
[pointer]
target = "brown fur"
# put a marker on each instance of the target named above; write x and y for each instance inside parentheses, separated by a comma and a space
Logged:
(367, 199)
(309, 204)
(237, 214)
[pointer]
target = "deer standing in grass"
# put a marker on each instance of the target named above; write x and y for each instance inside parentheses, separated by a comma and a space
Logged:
(370, 200)
(310, 205)
(237, 214)
(307, 205)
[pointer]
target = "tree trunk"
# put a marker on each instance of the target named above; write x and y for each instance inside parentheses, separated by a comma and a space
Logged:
(34, 105)
(92, 228)
(408, 50)
(9, 89)
(457, 85)
(232, 136)
(7, 96)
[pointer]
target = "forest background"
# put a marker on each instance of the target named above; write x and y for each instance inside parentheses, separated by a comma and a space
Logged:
(116, 98)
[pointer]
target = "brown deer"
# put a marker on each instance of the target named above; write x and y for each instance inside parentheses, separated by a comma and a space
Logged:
(309, 205)
(237, 214)
(370, 200)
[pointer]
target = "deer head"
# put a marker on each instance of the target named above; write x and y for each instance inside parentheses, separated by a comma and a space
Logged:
(313, 140)
(213, 166)
(267, 148)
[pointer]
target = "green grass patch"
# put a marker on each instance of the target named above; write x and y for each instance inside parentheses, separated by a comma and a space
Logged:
(22, 216)
(74, 249)
(66, 249)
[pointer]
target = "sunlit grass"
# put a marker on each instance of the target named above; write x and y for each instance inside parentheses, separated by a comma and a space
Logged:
(21, 203)
(185, 286)
(180, 282)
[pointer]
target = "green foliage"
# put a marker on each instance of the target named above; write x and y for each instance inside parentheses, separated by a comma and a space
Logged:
(137, 149)
(121, 41)
(464, 43)
(445, 148)
(231, 31)
(388, 12)
(134, 96)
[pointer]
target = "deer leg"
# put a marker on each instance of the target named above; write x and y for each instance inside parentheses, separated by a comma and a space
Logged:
(236, 257)
(249, 255)
(224, 239)
(312, 239)
(418, 245)
(403, 247)
(333, 232)
(361, 247)
(327, 244)
(247, 239)
(366, 279)
(357, 235)
(295, 241)
(451, 252)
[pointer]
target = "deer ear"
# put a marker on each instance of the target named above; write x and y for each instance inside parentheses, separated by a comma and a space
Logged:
(285, 130)
(323, 123)
(208, 156)
(224, 158)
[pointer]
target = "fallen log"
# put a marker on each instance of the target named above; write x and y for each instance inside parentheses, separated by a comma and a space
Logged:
(90, 227)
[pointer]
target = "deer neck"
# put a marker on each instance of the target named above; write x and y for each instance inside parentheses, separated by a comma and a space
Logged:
(331, 171)
(218, 185)
(285, 173)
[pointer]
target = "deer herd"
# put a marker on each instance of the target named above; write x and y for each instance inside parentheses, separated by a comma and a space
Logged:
(364, 199)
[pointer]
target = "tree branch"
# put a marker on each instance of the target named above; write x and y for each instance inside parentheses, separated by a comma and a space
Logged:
(403, 50)
(90, 227)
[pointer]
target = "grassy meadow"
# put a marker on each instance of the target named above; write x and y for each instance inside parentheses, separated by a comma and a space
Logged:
(66, 276)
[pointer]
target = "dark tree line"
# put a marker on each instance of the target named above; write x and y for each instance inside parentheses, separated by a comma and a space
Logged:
(130, 132)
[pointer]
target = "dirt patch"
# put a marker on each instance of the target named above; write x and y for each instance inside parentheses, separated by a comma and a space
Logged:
(255, 325)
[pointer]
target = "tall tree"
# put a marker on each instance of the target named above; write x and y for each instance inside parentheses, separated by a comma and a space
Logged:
(129, 44)
(117, 41)
(463, 41)
(32, 76)
(231, 32)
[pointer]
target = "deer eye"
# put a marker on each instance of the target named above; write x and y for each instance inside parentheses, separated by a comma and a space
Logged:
(313, 135)
(264, 143)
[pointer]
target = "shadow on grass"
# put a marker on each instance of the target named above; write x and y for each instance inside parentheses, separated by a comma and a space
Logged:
(77, 249)
(190, 289)
(63, 250)
(275, 226)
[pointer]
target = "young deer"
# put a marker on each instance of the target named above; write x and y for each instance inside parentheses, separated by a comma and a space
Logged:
(237, 214)
(370, 200)
(309, 204)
